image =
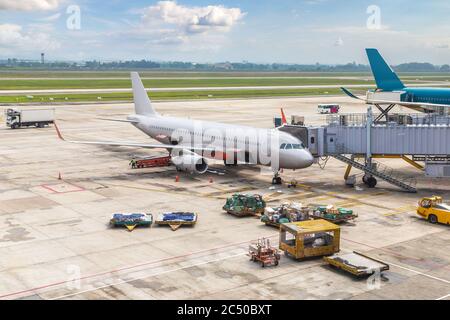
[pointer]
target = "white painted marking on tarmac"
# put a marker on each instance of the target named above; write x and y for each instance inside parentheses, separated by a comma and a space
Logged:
(146, 276)
(444, 297)
(422, 274)
(418, 272)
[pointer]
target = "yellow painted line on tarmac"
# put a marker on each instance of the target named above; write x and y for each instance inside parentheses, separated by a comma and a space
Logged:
(400, 210)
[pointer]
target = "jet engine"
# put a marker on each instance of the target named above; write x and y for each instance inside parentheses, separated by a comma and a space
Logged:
(190, 162)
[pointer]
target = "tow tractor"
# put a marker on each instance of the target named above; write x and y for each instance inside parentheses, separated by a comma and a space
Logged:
(264, 253)
(434, 210)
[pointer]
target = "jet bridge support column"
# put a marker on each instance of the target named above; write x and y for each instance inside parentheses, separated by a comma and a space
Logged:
(368, 179)
(368, 133)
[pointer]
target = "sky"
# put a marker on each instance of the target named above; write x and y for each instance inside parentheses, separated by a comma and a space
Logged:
(262, 31)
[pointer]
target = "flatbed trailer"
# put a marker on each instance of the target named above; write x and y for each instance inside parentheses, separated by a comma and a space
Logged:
(153, 162)
(357, 264)
(176, 219)
(131, 221)
(337, 220)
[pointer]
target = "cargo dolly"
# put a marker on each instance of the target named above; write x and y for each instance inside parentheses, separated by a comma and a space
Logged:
(176, 219)
(242, 205)
(333, 214)
(153, 162)
(357, 264)
(131, 221)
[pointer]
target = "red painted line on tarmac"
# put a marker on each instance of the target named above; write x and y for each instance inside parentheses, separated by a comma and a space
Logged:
(125, 268)
(49, 187)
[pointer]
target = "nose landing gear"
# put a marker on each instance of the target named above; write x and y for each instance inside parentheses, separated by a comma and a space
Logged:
(276, 180)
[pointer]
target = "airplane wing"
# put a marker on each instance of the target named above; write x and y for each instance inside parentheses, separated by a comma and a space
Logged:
(133, 144)
(119, 120)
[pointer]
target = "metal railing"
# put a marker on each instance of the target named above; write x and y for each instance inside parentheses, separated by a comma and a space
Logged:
(377, 168)
(403, 119)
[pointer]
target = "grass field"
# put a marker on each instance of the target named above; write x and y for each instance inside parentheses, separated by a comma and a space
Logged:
(45, 80)
(183, 95)
(12, 73)
(168, 83)
(170, 74)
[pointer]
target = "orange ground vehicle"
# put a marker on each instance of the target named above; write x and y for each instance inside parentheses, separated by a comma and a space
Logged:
(263, 252)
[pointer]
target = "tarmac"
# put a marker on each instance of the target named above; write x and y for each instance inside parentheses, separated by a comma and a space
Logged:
(56, 243)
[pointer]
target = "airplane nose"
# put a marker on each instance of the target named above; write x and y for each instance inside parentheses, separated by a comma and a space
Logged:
(306, 158)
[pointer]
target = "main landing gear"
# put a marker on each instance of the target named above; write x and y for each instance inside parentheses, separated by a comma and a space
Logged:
(369, 181)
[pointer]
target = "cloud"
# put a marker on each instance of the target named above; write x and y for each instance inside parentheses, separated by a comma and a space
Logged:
(192, 19)
(14, 37)
(28, 5)
(442, 46)
(339, 42)
(51, 18)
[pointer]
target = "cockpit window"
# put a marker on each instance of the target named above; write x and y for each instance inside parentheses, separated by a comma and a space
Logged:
(283, 146)
(298, 146)
(288, 146)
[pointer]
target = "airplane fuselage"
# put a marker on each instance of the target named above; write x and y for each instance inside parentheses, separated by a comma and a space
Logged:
(219, 136)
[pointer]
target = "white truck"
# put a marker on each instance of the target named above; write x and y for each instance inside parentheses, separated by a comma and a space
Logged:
(39, 118)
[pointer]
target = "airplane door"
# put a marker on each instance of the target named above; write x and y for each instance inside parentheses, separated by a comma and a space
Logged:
(331, 143)
(312, 141)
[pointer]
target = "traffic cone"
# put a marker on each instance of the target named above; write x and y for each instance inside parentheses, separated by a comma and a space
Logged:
(211, 180)
(177, 179)
(59, 176)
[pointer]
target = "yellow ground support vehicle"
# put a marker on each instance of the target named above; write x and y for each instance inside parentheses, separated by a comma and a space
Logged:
(311, 238)
(434, 210)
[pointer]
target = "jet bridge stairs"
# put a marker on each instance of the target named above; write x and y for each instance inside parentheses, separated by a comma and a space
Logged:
(379, 170)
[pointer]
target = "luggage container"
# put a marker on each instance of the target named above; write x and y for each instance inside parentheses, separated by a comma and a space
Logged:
(333, 214)
(131, 221)
(242, 205)
(287, 212)
(176, 219)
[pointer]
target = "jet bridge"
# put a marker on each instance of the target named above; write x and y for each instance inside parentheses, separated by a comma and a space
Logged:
(357, 140)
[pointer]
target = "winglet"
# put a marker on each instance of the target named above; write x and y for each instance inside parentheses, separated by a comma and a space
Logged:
(58, 132)
(351, 95)
(283, 117)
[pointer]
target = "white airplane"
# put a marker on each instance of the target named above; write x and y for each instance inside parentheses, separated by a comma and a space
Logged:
(191, 142)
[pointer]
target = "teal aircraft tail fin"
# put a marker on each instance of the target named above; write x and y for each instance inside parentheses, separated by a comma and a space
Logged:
(385, 77)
